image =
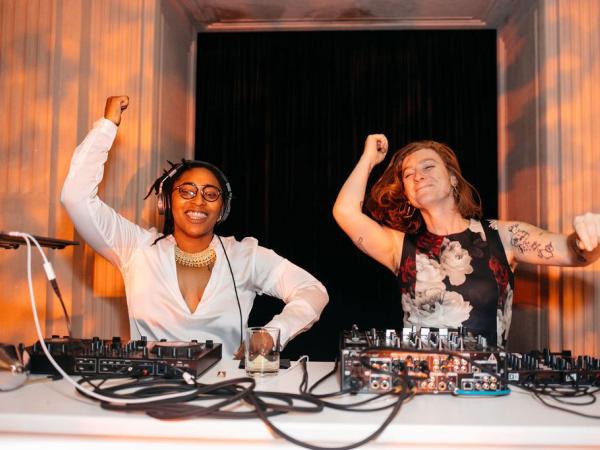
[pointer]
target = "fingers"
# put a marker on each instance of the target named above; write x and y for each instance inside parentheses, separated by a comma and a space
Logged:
(376, 147)
(261, 343)
(587, 228)
(115, 105)
(123, 102)
(380, 141)
(239, 354)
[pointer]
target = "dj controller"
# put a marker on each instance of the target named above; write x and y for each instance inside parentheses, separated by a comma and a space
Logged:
(113, 358)
(447, 361)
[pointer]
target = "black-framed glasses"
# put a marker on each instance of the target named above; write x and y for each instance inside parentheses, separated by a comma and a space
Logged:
(189, 190)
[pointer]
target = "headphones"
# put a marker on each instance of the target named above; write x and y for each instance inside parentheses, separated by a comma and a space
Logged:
(163, 200)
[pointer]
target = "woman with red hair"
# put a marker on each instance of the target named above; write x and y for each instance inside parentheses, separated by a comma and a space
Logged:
(453, 268)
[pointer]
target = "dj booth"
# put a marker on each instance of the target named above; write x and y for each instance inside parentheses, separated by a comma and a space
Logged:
(425, 368)
(50, 414)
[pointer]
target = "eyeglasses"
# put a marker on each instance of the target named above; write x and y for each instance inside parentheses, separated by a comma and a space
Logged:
(189, 191)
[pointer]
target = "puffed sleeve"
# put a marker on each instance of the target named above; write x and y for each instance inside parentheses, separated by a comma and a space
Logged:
(110, 234)
(304, 295)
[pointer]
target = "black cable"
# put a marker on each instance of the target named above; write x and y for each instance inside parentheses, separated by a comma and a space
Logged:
(56, 290)
(350, 407)
(235, 289)
(540, 397)
(374, 435)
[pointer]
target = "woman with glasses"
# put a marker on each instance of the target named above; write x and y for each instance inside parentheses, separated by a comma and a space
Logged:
(453, 269)
(187, 282)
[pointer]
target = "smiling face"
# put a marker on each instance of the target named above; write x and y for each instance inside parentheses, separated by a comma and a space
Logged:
(427, 182)
(195, 219)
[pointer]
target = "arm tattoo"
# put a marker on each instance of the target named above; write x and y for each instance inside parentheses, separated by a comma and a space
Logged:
(359, 242)
(522, 241)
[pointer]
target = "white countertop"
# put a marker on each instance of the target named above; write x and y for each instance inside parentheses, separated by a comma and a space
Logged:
(52, 415)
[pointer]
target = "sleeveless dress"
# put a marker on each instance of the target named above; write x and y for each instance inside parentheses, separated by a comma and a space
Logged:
(461, 279)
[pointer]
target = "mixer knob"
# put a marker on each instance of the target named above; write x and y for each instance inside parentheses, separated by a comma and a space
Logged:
(546, 354)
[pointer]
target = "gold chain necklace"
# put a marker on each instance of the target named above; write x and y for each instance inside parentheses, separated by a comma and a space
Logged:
(205, 258)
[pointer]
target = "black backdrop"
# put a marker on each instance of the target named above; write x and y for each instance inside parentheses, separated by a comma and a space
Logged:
(285, 116)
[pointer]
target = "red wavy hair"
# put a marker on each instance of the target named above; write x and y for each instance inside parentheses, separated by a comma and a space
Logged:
(388, 204)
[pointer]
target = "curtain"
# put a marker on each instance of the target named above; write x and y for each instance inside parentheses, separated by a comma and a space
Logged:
(285, 116)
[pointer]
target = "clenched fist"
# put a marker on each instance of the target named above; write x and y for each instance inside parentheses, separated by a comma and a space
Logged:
(114, 107)
(587, 228)
(376, 147)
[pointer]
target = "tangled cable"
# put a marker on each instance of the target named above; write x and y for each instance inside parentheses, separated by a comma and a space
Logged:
(262, 404)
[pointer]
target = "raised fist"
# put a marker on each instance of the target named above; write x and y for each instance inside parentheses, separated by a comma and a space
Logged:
(114, 107)
(376, 147)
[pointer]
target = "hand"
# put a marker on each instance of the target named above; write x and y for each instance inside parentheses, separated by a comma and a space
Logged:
(261, 343)
(239, 354)
(587, 229)
(114, 107)
(376, 147)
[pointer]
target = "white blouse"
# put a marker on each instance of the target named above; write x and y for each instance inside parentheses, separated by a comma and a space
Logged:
(156, 306)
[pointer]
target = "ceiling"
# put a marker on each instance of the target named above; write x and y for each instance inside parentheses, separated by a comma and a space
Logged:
(264, 15)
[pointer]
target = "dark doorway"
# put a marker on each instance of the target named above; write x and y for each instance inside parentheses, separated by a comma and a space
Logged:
(285, 116)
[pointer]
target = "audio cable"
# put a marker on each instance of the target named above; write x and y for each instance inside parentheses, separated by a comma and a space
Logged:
(28, 238)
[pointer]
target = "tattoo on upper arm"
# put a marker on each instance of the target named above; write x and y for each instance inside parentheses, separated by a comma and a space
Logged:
(359, 242)
(523, 242)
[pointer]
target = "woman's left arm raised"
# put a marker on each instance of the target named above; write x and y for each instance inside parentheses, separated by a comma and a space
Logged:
(529, 244)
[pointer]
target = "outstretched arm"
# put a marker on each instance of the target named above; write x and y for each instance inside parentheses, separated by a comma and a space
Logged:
(379, 242)
(110, 234)
(529, 244)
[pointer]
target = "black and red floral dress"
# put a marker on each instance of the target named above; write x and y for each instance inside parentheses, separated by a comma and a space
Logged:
(461, 279)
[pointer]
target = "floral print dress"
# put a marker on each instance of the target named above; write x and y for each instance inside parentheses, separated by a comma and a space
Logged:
(461, 279)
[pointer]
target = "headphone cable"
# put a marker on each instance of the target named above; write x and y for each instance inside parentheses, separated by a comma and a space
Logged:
(235, 289)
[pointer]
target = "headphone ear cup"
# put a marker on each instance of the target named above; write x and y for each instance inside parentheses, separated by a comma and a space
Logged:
(225, 210)
(161, 203)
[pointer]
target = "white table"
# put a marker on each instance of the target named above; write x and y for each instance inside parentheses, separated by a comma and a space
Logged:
(49, 414)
